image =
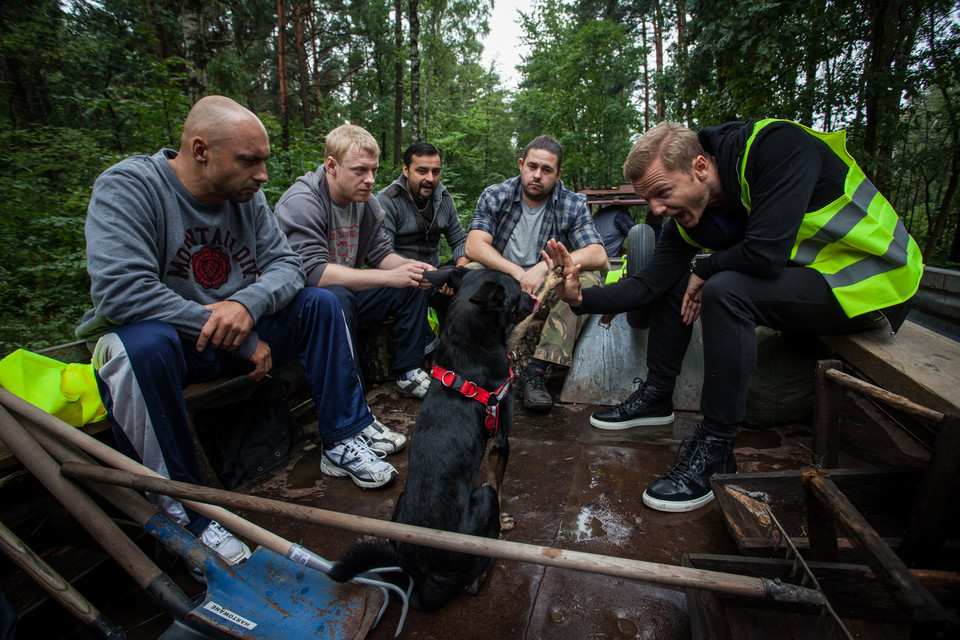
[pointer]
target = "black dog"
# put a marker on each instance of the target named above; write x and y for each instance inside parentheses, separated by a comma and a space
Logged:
(450, 440)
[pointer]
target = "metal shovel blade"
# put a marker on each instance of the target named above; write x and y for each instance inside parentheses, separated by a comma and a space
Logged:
(268, 596)
(607, 360)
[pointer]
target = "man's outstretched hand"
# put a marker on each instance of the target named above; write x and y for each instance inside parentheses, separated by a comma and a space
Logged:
(569, 288)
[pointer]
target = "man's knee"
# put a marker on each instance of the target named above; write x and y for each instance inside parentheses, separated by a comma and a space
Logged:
(141, 341)
(722, 289)
(321, 299)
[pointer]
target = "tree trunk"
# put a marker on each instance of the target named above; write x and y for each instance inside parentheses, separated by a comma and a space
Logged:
(311, 20)
(414, 72)
(195, 51)
(646, 75)
(658, 43)
(951, 190)
(282, 74)
(398, 84)
(305, 111)
(893, 27)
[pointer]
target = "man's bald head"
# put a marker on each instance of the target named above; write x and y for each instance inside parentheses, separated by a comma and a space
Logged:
(223, 151)
(215, 118)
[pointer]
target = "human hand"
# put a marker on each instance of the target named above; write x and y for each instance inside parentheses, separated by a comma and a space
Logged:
(262, 360)
(692, 299)
(424, 283)
(533, 277)
(409, 274)
(569, 288)
(227, 326)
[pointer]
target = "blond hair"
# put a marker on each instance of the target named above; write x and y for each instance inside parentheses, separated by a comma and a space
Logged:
(675, 145)
(345, 136)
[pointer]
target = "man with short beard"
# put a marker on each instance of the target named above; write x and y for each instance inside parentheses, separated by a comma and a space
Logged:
(418, 209)
(509, 231)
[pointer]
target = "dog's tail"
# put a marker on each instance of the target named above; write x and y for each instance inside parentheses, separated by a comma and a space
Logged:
(363, 556)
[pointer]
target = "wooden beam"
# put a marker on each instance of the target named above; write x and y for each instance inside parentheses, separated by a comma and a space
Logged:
(917, 363)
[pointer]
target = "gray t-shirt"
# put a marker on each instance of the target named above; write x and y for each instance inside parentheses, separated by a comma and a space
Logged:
(522, 249)
(345, 232)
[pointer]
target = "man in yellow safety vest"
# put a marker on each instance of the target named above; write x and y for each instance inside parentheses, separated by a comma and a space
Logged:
(798, 239)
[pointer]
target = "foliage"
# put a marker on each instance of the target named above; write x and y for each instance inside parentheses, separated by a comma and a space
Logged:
(578, 81)
(85, 83)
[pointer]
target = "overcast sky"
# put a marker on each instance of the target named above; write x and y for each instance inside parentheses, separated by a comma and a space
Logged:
(502, 46)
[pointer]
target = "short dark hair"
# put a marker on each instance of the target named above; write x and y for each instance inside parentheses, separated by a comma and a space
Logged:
(548, 144)
(420, 149)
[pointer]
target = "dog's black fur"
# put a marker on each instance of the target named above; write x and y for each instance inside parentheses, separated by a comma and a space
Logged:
(449, 443)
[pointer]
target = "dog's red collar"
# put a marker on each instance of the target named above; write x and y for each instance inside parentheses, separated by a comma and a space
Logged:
(470, 389)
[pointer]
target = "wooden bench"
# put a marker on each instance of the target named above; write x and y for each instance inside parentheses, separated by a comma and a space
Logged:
(917, 363)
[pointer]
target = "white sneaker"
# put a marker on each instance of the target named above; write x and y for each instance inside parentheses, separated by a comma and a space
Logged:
(231, 548)
(354, 457)
(415, 386)
(382, 439)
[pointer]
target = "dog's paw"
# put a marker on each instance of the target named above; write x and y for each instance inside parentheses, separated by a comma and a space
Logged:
(507, 522)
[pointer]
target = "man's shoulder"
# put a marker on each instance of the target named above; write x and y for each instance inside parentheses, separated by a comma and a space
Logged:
(568, 198)
(141, 166)
(304, 186)
(502, 190)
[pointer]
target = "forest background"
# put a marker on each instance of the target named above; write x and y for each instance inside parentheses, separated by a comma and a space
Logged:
(84, 84)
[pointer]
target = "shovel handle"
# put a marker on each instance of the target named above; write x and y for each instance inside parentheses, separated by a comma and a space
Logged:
(745, 586)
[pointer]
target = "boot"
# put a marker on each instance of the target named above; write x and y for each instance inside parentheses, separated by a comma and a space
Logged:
(533, 388)
(686, 485)
(645, 406)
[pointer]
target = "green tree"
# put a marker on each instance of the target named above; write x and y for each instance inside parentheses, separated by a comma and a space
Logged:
(579, 83)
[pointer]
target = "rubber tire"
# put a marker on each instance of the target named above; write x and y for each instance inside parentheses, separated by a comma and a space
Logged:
(640, 243)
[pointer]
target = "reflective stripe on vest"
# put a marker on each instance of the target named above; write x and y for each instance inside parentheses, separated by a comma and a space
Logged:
(857, 242)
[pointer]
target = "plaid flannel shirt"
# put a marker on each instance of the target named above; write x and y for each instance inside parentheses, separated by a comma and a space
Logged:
(567, 218)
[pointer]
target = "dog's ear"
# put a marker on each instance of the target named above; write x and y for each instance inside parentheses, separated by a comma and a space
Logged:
(446, 275)
(488, 294)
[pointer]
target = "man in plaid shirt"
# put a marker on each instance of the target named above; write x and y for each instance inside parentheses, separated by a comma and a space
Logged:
(509, 231)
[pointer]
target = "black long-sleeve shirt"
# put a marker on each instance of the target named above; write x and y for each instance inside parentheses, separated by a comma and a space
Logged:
(789, 173)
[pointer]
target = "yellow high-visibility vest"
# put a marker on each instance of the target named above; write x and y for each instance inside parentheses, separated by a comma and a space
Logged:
(857, 242)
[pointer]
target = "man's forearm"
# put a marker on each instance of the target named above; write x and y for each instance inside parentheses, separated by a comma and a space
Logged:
(485, 254)
(590, 258)
(351, 279)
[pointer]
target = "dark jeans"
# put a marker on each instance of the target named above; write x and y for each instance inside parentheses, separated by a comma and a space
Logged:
(408, 307)
(734, 304)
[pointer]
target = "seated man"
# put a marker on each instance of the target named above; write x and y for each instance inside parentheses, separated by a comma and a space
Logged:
(336, 227)
(613, 224)
(417, 209)
(510, 229)
(192, 279)
(801, 241)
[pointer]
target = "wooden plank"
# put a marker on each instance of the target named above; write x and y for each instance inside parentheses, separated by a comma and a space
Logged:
(826, 416)
(934, 511)
(928, 614)
(917, 363)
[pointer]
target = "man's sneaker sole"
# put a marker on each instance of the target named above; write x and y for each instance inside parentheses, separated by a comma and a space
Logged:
(331, 469)
(649, 421)
(408, 394)
(677, 506)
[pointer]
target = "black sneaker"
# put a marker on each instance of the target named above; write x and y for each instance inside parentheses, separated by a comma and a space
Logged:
(686, 485)
(533, 388)
(645, 406)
